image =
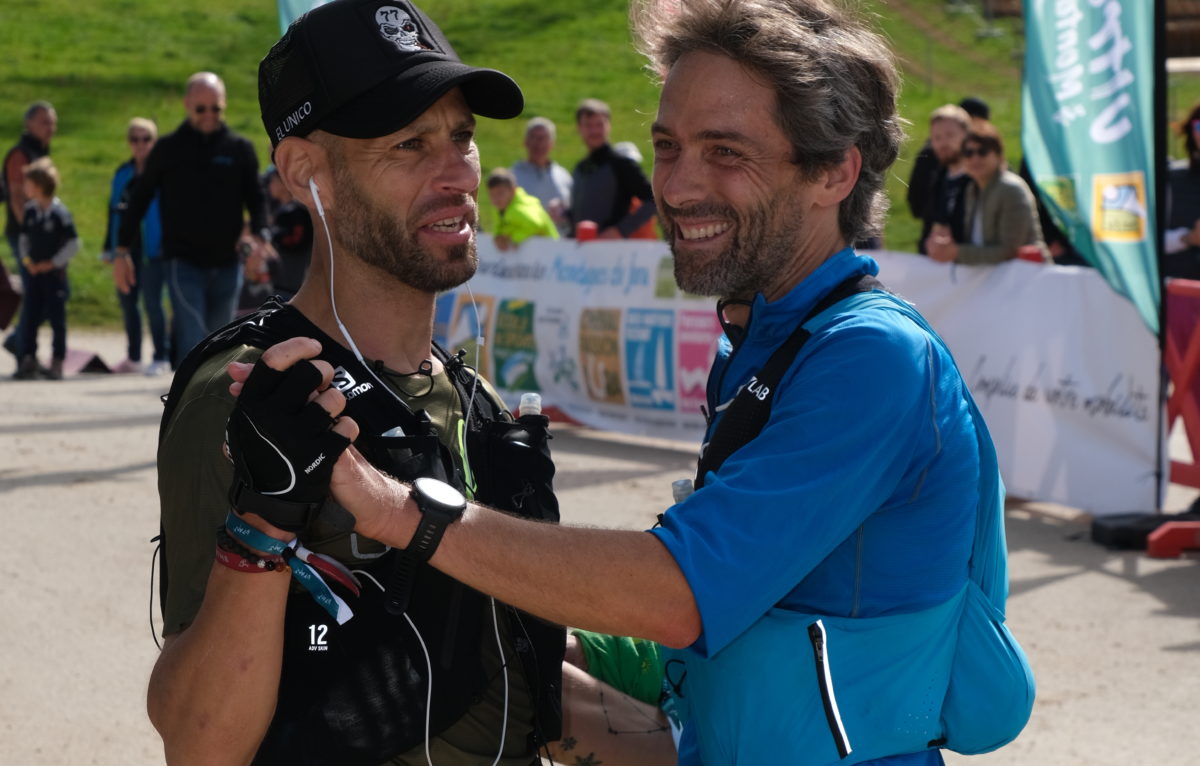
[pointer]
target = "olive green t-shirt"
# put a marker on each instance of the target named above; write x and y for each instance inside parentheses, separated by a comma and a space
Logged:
(194, 475)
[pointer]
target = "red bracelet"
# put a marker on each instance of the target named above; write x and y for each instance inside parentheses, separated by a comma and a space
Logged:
(257, 564)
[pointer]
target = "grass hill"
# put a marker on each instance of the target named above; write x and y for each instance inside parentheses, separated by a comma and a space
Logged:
(104, 61)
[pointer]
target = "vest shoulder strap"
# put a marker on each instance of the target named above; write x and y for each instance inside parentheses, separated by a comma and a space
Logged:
(750, 409)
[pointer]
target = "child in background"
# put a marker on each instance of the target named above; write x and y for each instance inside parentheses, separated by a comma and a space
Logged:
(521, 215)
(47, 243)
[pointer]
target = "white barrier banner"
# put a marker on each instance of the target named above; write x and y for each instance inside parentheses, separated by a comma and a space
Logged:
(1063, 369)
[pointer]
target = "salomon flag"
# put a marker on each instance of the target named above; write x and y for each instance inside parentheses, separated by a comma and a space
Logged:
(1088, 132)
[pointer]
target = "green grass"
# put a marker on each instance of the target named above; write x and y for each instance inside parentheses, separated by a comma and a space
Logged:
(104, 61)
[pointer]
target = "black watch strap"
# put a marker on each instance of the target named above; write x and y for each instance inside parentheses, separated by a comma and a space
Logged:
(425, 540)
(424, 543)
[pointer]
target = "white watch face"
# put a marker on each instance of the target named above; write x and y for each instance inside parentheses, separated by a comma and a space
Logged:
(440, 492)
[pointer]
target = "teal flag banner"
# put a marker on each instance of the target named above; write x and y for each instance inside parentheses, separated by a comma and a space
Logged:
(290, 10)
(1088, 131)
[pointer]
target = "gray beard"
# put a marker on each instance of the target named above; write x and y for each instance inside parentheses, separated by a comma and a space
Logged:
(380, 240)
(762, 243)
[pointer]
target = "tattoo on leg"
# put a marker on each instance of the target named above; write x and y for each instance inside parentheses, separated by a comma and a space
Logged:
(588, 760)
(567, 743)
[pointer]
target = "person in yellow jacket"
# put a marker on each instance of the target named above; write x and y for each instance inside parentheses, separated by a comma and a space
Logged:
(521, 215)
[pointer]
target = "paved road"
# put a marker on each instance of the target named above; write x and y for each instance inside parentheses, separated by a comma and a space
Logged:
(1113, 637)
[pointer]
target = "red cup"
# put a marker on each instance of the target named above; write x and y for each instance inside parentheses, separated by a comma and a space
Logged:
(586, 230)
(1030, 253)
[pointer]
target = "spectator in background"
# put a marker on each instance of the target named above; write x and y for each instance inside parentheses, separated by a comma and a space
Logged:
(521, 216)
(1182, 258)
(292, 235)
(948, 126)
(291, 229)
(41, 121)
(207, 176)
(1058, 242)
(543, 177)
(46, 243)
(605, 182)
(145, 254)
(977, 108)
(647, 230)
(927, 164)
(999, 213)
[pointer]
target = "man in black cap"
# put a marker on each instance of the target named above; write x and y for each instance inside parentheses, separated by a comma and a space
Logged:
(371, 116)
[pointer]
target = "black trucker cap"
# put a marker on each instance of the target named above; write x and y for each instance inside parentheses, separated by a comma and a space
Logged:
(365, 68)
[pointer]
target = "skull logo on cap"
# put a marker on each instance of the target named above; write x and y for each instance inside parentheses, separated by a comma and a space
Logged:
(398, 27)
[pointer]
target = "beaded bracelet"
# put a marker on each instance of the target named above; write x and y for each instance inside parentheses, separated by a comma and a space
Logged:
(234, 555)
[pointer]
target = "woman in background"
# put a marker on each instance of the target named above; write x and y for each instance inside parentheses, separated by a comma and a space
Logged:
(146, 254)
(999, 211)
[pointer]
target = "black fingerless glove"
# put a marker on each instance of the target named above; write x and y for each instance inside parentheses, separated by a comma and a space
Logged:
(282, 446)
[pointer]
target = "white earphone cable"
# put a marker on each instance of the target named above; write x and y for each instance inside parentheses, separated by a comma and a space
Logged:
(471, 400)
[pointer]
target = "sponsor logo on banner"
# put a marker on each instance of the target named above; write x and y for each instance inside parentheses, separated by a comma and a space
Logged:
(600, 354)
(649, 358)
(515, 348)
(1061, 189)
(1119, 207)
(698, 335)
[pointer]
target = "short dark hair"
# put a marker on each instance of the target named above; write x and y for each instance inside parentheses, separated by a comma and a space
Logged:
(976, 107)
(985, 134)
(501, 177)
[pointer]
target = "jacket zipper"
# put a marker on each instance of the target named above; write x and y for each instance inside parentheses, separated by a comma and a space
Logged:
(816, 636)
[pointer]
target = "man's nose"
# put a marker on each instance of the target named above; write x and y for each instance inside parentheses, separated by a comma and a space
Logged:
(459, 171)
(680, 182)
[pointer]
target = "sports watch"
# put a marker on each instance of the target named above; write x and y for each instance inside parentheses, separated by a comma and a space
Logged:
(441, 505)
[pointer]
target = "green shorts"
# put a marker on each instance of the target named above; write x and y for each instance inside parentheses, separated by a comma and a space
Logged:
(632, 665)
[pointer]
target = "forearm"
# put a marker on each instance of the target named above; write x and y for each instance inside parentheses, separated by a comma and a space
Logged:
(14, 183)
(213, 689)
(65, 253)
(613, 581)
(632, 221)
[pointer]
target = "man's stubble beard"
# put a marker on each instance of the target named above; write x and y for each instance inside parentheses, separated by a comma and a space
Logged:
(763, 243)
(381, 240)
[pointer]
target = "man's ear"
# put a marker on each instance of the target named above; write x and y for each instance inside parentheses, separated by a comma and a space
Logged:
(298, 160)
(837, 182)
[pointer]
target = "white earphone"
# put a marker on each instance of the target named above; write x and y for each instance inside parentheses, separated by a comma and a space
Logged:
(312, 187)
(316, 194)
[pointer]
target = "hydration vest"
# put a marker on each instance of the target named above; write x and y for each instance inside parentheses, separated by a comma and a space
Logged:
(356, 693)
(817, 689)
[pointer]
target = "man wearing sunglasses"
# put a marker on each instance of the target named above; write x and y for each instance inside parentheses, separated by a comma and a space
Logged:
(206, 176)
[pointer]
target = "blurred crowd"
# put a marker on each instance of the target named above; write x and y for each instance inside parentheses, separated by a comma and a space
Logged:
(196, 235)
